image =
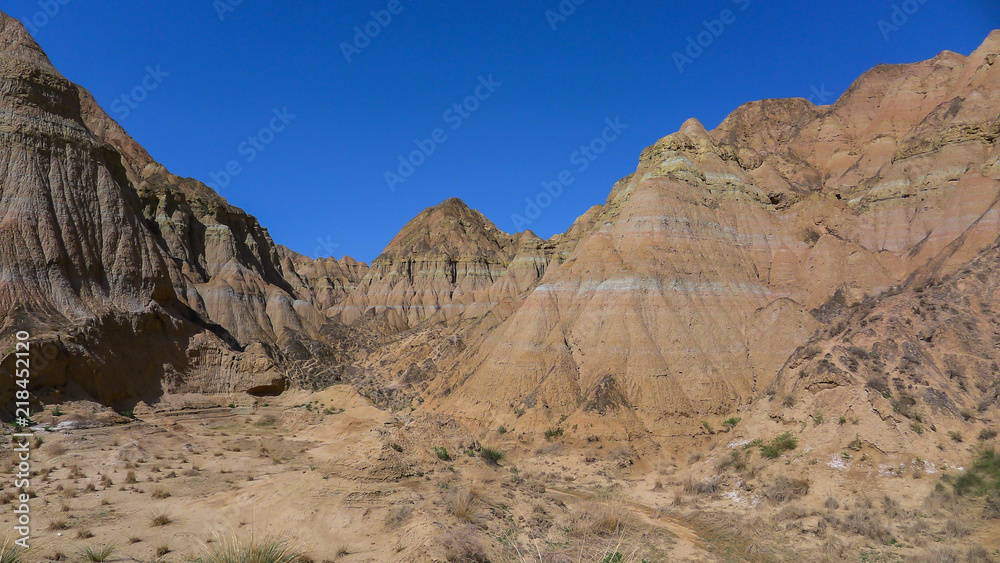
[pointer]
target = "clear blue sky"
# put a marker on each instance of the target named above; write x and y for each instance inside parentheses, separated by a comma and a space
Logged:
(319, 185)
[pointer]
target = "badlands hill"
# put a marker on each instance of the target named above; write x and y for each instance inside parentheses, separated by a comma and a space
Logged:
(826, 272)
(686, 294)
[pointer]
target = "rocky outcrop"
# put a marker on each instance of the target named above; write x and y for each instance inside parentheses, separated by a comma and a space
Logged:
(448, 263)
(707, 268)
(134, 281)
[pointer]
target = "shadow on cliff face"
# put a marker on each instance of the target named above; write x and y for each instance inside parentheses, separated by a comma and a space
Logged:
(117, 360)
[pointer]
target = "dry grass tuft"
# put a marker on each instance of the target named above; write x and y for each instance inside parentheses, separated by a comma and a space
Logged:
(463, 505)
(160, 519)
(783, 489)
(601, 520)
(695, 487)
(234, 549)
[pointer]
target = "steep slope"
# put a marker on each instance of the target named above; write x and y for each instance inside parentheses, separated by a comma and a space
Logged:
(708, 266)
(133, 282)
(449, 262)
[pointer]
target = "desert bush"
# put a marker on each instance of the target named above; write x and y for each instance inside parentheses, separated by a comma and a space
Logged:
(398, 516)
(553, 433)
(130, 478)
(601, 520)
(979, 554)
(955, 435)
(161, 493)
(463, 546)
(783, 489)
(956, 527)
(779, 445)
(235, 549)
(59, 524)
(708, 427)
(462, 504)
(982, 478)
(12, 553)
(736, 459)
(98, 554)
(879, 384)
(491, 456)
(160, 519)
(442, 453)
(991, 509)
(701, 487)
(987, 434)
(863, 522)
(731, 422)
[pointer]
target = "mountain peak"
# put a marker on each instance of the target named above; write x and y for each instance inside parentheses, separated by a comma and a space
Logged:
(17, 43)
(450, 229)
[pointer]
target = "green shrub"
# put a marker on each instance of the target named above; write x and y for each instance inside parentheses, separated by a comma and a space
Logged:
(491, 456)
(57, 411)
(708, 427)
(502, 430)
(98, 554)
(779, 445)
(731, 422)
(983, 478)
(553, 433)
(442, 453)
(236, 550)
(987, 434)
(396, 447)
(11, 553)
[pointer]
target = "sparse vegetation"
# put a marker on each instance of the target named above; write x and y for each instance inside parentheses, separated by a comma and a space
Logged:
(983, 478)
(955, 435)
(708, 427)
(237, 550)
(783, 489)
(491, 456)
(11, 553)
(160, 519)
(98, 554)
(987, 434)
(502, 430)
(781, 444)
(731, 422)
(442, 453)
(856, 444)
(553, 433)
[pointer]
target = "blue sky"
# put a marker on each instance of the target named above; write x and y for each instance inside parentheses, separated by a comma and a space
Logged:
(307, 129)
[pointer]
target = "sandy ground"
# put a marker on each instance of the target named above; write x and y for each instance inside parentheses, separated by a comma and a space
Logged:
(343, 481)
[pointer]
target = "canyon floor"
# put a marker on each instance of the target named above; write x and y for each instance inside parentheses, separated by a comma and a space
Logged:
(341, 480)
